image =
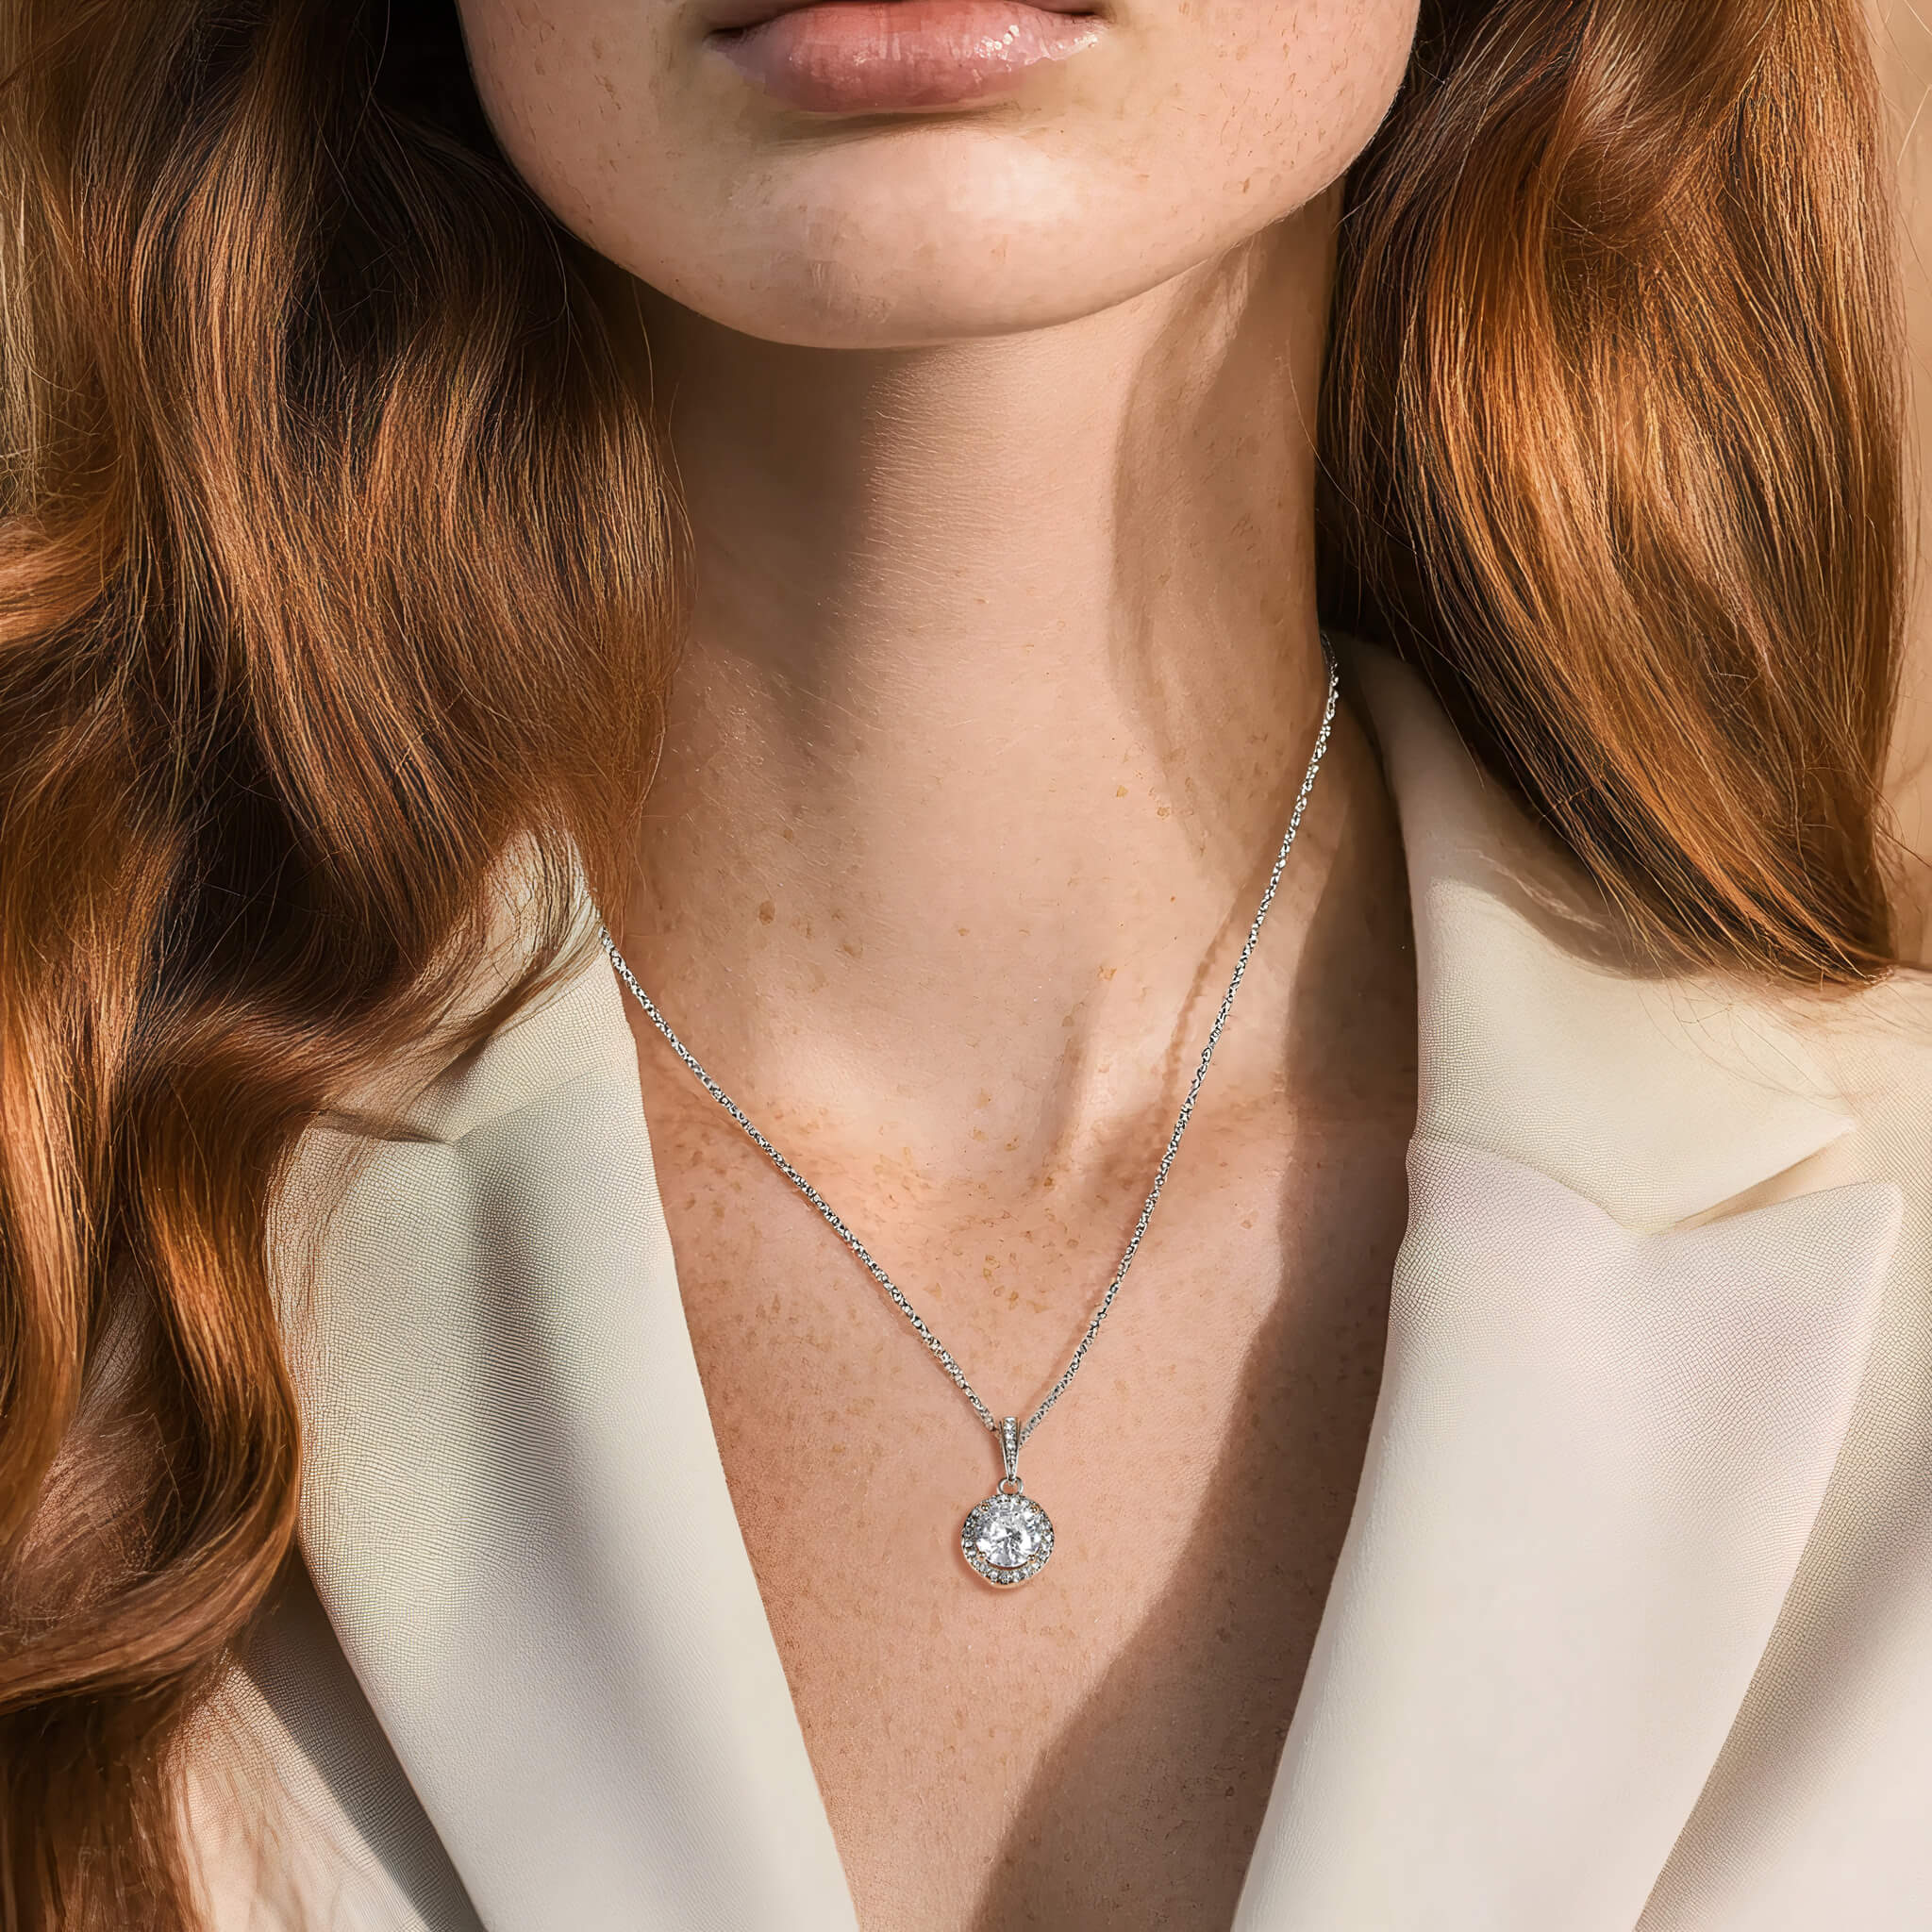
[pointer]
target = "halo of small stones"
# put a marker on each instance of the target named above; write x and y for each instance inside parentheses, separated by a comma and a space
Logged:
(1036, 1520)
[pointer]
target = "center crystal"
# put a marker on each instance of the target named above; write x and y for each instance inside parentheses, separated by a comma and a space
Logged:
(1006, 1538)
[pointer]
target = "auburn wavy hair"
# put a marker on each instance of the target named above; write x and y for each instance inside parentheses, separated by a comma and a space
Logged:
(335, 557)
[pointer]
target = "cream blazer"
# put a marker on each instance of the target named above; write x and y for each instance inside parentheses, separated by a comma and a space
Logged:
(1632, 1627)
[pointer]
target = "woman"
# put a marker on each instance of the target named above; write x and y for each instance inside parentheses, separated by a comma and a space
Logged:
(814, 528)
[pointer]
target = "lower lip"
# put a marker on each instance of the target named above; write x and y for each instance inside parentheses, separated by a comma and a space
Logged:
(874, 56)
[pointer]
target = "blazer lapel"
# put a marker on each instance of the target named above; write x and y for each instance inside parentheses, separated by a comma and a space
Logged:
(1609, 1413)
(1594, 1464)
(515, 1514)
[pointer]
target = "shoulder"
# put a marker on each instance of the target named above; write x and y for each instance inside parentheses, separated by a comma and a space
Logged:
(1545, 1037)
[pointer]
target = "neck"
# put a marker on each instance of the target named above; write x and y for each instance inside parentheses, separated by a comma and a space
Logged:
(1003, 674)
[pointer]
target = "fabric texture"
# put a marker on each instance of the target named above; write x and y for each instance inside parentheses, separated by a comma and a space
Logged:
(1632, 1627)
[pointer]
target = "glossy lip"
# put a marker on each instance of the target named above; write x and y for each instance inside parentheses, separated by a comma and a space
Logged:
(729, 16)
(845, 56)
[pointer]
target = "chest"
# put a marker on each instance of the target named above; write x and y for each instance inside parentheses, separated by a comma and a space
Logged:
(1095, 1747)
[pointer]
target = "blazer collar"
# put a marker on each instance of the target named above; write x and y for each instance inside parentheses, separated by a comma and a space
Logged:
(1601, 1439)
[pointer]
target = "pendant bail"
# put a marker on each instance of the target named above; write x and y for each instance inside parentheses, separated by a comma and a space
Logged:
(1010, 1453)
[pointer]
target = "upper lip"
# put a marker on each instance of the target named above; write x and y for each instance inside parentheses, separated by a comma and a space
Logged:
(727, 16)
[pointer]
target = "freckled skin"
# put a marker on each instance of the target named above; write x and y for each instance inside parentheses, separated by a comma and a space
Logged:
(1095, 1749)
(1002, 673)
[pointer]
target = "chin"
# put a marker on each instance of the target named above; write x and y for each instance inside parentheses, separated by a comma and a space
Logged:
(951, 238)
(870, 295)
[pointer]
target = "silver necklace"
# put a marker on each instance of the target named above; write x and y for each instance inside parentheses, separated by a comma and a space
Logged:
(1007, 1536)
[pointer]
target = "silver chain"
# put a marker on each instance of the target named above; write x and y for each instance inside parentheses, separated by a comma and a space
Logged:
(1173, 1140)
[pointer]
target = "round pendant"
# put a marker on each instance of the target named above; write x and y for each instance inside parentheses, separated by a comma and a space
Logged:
(1007, 1538)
